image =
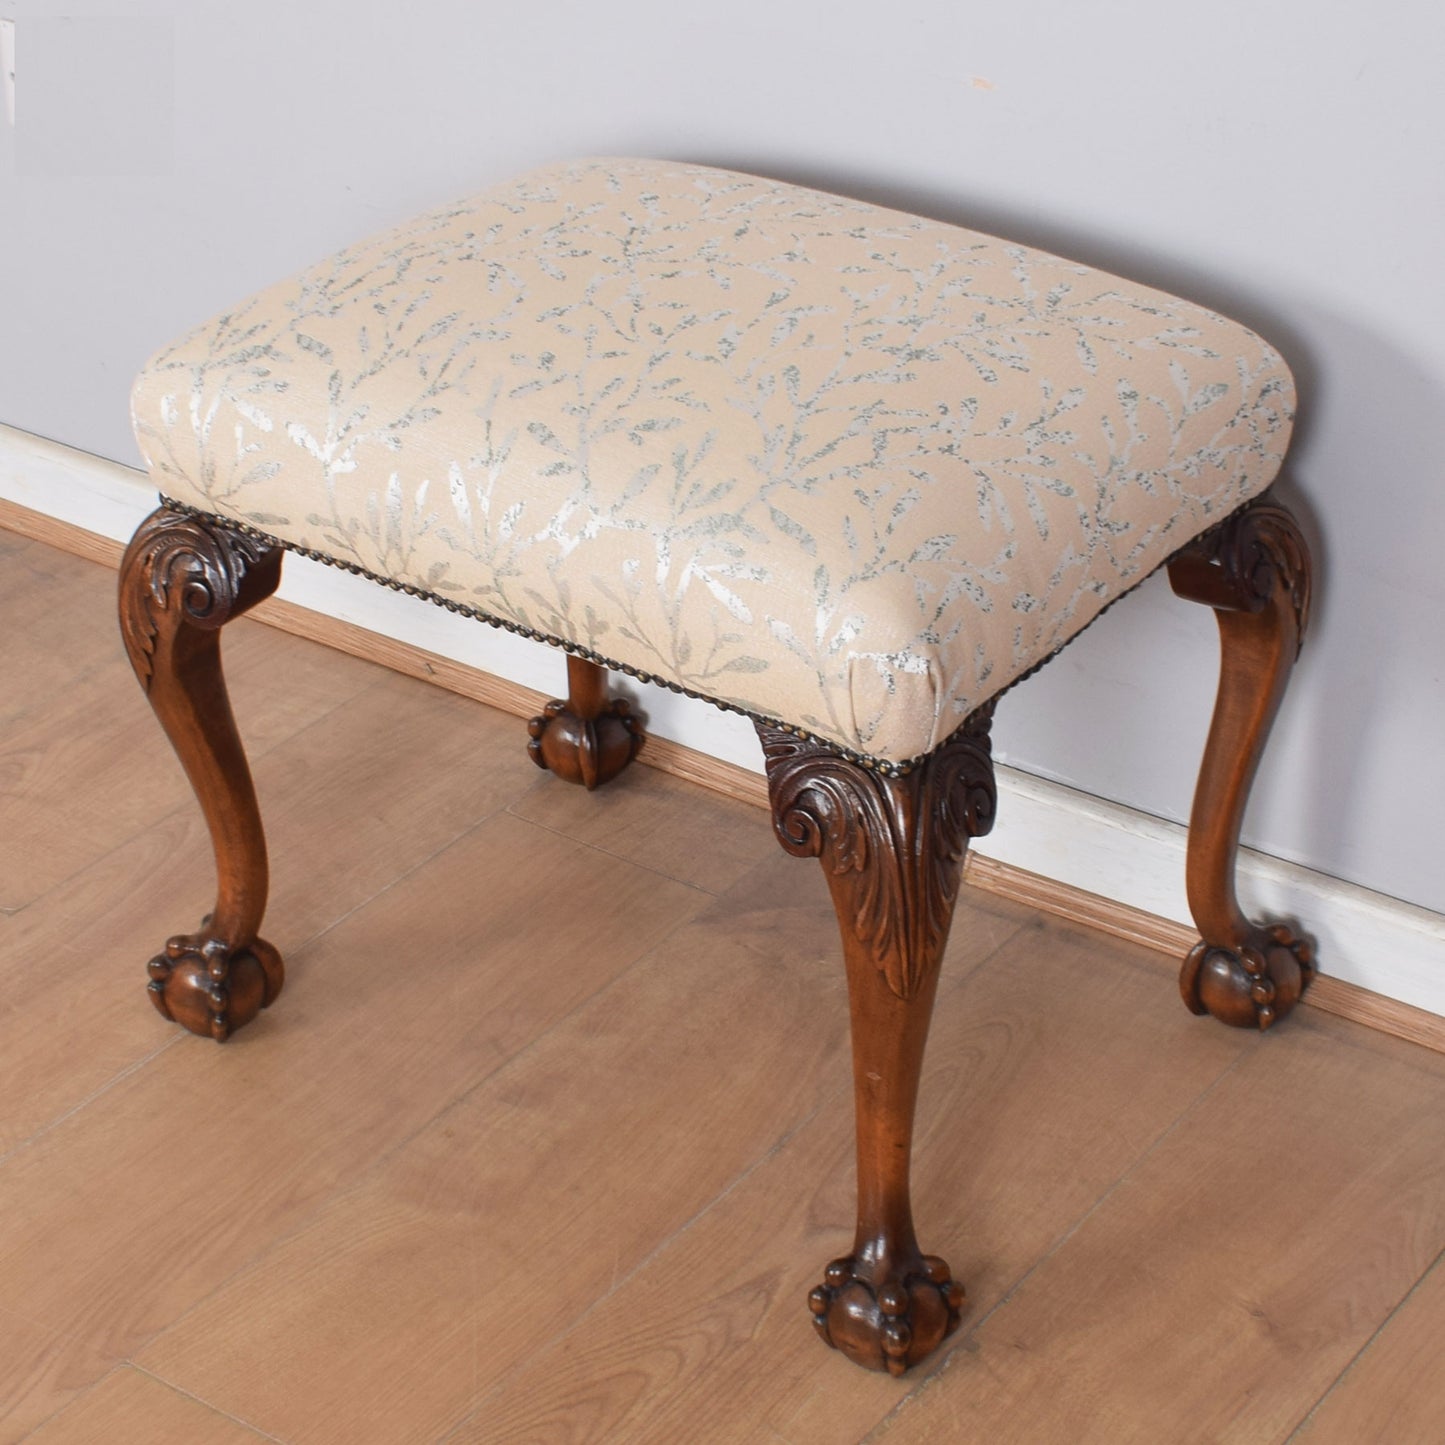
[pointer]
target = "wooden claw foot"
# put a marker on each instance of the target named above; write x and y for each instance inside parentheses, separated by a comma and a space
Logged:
(887, 1326)
(892, 849)
(205, 987)
(1255, 572)
(181, 580)
(1253, 987)
(590, 737)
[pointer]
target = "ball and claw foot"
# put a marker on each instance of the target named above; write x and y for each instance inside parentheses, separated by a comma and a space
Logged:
(199, 983)
(590, 751)
(1254, 986)
(890, 1327)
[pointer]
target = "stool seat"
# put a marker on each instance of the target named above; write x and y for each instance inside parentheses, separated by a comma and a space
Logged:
(837, 467)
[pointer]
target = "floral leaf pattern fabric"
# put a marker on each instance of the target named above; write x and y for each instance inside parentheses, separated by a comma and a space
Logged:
(825, 462)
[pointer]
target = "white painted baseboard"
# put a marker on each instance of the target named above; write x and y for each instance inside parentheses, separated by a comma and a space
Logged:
(1365, 938)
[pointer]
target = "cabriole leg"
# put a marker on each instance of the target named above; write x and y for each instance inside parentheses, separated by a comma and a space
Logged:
(1255, 573)
(892, 849)
(590, 737)
(181, 580)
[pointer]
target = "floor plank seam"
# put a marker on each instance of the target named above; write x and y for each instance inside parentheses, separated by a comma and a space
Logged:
(133, 1067)
(177, 1038)
(677, 1234)
(294, 951)
(1437, 1263)
(608, 852)
(844, 1086)
(39, 1425)
(188, 803)
(958, 1351)
(204, 1403)
(41, 1324)
(363, 1177)
(950, 982)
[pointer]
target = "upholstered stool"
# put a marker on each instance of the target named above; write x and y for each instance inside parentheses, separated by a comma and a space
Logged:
(847, 471)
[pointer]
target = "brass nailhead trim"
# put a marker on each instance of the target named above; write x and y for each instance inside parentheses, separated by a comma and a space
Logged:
(877, 765)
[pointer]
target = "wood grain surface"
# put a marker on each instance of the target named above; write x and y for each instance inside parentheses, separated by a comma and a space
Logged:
(551, 1129)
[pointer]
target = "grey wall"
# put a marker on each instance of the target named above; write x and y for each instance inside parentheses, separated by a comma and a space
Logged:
(1277, 159)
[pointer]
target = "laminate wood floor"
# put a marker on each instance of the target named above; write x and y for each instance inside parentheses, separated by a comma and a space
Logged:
(550, 1134)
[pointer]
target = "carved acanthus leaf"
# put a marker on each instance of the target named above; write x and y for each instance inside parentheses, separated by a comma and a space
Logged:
(181, 569)
(1243, 562)
(892, 846)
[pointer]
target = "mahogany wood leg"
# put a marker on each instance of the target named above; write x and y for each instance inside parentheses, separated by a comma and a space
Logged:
(590, 737)
(893, 851)
(1255, 572)
(181, 580)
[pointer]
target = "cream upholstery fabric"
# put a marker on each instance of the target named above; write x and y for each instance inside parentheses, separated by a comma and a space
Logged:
(825, 462)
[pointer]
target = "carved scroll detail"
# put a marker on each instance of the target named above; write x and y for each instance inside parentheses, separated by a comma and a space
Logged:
(892, 844)
(188, 572)
(1239, 565)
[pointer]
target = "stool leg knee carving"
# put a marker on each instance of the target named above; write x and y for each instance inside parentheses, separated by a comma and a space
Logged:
(892, 849)
(1255, 573)
(181, 580)
(590, 737)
